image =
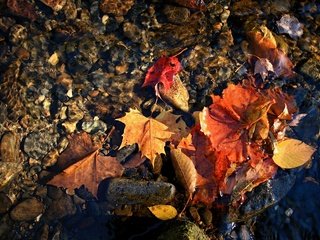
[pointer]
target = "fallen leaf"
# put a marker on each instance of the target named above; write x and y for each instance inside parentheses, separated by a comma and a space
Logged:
(23, 8)
(185, 170)
(80, 145)
(163, 212)
(234, 119)
(89, 171)
(292, 153)
(162, 72)
(177, 94)
(150, 134)
(135, 161)
(263, 66)
(175, 124)
(263, 44)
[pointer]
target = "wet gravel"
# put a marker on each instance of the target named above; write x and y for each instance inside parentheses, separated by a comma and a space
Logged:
(71, 66)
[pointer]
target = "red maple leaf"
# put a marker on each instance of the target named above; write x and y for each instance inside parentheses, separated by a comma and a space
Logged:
(162, 72)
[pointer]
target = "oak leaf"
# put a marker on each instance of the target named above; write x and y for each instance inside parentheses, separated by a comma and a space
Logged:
(150, 134)
(89, 171)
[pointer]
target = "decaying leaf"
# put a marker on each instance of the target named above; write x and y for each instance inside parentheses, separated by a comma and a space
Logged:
(148, 133)
(163, 212)
(292, 153)
(262, 66)
(177, 94)
(185, 170)
(175, 124)
(89, 171)
(263, 44)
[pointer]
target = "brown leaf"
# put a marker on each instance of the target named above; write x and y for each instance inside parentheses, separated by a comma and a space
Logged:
(175, 124)
(185, 170)
(150, 134)
(177, 95)
(135, 161)
(89, 171)
(80, 146)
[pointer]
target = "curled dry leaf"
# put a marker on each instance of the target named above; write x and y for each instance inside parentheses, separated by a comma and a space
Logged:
(163, 212)
(177, 94)
(292, 153)
(150, 134)
(175, 124)
(89, 171)
(185, 170)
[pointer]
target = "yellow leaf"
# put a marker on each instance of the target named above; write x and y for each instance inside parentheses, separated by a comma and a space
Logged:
(150, 134)
(185, 170)
(292, 153)
(175, 124)
(163, 212)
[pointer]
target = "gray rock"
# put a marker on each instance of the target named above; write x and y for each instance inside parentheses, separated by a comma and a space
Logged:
(38, 144)
(127, 191)
(183, 230)
(60, 208)
(94, 126)
(27, 210)
(132, 32)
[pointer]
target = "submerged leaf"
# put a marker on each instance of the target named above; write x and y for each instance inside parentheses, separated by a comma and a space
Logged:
(292, 153)
(150, 134)
(163, 212)
(89, 171)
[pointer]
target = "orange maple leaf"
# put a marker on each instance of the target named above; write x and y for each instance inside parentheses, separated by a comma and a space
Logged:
(150, 134)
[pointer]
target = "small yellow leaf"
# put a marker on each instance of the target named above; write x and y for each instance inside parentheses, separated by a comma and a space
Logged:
(292, 153)
(163, 212)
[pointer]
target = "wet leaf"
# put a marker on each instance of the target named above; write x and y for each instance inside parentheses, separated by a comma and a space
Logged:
(162, 72)
(80, 146)
(185, 170)
(175, 124)
(292, 153)
(163, 212)
(262, 66)
(263, 44)
(150, 134)
(89, 171)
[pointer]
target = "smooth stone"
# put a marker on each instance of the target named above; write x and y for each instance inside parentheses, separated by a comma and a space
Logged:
(183, 230)
(126, 191)
(60, 208)
(5, 203)
(27, 210)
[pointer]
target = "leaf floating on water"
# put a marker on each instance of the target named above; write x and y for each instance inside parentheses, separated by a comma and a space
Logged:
(292, 153)
(163, 212)
(185, 170)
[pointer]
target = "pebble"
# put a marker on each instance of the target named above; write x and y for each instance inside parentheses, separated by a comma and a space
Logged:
(176, 15)
(56, 5)
(312, 68)
(17, 34)
(5, 203)
(54, 192)
(27, 210)
(116, 7)
(94, 126)
(9, 147)
(60, 208)
(38, 144)
(132, 32)
(126, 191)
